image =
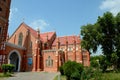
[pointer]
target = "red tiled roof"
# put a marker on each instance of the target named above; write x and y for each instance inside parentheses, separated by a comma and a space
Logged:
(47, 34)
(70, 40)
(43, 36)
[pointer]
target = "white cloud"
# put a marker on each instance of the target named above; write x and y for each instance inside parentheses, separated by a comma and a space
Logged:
(111, 5)
(13, 11)
(42, 24)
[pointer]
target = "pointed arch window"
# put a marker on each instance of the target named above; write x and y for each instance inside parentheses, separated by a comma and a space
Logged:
(20, 39)
(49, 62)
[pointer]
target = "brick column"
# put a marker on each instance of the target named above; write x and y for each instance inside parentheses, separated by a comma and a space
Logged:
(66, 50)
(34, 62)
(38, 60)
(14, 38)
(80, 50)
(57, 54)
(56, 60)
(74, 49)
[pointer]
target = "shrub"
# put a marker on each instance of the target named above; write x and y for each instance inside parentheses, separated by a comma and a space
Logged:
(7, 68)
(61, 70)
(72, 70)
(91, 73)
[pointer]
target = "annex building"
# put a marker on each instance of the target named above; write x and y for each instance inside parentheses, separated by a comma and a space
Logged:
(31, 50)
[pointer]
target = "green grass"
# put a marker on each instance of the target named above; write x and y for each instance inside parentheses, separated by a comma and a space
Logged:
(61, 78)
(105, 76)
(111, 76)
(4, 76)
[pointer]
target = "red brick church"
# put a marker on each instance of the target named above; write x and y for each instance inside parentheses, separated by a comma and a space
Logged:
(31, 50)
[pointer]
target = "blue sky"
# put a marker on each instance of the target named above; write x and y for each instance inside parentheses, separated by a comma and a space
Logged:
(63, 16)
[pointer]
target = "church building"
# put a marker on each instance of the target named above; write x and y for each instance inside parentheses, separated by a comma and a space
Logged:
(31, 50)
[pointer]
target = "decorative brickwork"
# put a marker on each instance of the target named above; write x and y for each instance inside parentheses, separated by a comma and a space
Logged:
(46, 51)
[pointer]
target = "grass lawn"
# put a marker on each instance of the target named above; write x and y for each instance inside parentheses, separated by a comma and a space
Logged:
(61, 78)
(111, 76)
(4, 76)
(105, 76)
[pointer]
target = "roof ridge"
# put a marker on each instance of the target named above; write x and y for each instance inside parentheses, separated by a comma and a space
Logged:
(67, 36)
(47, 32)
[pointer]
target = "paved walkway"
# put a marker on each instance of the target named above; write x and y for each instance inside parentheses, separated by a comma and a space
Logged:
(33, 76)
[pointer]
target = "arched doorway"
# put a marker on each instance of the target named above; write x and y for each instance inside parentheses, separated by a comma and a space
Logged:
(15, 59)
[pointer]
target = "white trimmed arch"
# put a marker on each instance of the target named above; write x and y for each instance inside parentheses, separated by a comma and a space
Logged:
(19, 56)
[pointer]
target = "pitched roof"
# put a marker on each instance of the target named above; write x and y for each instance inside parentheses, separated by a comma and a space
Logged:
(70, 40)
(46, 35)
(43, 36)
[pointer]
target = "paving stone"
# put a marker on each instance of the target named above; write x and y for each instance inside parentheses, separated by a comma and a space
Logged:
(33, 76)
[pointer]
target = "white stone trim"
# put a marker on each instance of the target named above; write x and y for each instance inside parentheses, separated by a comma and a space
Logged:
(18, 56)
(14, 46)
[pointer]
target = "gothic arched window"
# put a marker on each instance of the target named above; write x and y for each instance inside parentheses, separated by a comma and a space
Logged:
(20, 39)
(49, 62)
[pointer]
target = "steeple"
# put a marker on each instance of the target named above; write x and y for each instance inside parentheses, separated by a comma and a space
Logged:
(38, 33)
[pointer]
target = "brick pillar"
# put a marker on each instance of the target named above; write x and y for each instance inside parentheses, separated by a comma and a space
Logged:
(57, 60)
(38, 60)
(14, 38)
(57, 44)
(80, 50)
(66, 50)
(57, 54)
(74, 49)
(24, 60)
(36, 66)
(88, 58)
(34, 62)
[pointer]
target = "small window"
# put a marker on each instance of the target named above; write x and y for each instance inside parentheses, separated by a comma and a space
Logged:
(31, 44)
(20, 39)
(0, 9)
(69, 48)
(49, 62)
(0, 30)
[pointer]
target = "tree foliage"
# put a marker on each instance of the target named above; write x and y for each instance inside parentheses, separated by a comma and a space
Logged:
(104, 33)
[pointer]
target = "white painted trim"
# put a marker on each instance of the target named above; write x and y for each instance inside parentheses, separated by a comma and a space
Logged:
(18, 56)
(14, 46)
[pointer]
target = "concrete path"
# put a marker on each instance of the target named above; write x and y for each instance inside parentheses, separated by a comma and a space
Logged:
(33, 76)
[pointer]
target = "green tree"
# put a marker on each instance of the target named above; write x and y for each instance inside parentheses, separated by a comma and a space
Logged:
(104, 33)
(89, 41)
(107, 30)
(117, 38)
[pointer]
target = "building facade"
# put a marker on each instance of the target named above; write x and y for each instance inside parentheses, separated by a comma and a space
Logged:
(4, 19)
(4, 22)
(30, 50)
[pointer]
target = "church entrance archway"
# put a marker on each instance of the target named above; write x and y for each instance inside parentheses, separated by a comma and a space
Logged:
(15, 59)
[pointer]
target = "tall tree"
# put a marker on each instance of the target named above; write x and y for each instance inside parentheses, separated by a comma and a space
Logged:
(106, 33)
(117, 37)
(89, 34)
(107, 28)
